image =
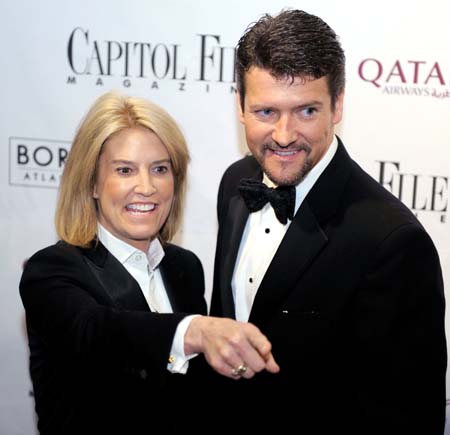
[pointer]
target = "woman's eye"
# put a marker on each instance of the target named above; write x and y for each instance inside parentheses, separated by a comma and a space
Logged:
(124, 170)
(161, 169)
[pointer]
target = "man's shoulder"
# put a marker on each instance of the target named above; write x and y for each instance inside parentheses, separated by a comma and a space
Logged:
(245, 167)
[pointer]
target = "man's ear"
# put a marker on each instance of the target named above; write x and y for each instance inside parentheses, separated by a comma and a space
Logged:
(240, 111)
(338, 108)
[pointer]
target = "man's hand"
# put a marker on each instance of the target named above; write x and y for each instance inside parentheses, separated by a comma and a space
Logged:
(232, 348)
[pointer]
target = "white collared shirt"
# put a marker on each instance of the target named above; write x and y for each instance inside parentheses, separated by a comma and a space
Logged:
(261, 237)
(144, 267)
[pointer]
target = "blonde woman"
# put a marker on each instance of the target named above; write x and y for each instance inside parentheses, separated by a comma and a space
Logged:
(111, 308)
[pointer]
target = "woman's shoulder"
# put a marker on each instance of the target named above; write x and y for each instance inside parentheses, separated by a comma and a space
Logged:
(59, 252)
(58, 248)
(177, 254)
(171, 249)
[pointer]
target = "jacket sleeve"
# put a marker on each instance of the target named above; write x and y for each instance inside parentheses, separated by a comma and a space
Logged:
(399, 322)
(70, 313)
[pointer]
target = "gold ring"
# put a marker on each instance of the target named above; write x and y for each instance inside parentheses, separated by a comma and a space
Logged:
(239, 371)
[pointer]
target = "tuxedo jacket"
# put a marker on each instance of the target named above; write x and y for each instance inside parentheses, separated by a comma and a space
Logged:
(352, 303)
(98, 355)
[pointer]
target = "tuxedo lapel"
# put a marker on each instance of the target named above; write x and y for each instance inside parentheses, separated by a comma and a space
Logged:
(234, 226)
(304, 239)
(121, 287)
(302, 242)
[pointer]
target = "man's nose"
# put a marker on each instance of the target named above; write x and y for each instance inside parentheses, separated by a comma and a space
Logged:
(285, 131)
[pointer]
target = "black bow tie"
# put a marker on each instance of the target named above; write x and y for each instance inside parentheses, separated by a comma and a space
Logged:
(256, 195)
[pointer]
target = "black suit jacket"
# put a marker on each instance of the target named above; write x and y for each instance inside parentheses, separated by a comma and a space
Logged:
(98, 356)
(353, 304)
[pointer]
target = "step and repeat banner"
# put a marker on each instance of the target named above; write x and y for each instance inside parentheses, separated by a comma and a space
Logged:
(58, 56)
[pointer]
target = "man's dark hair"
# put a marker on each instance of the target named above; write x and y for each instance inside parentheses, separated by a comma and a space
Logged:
(289, 45)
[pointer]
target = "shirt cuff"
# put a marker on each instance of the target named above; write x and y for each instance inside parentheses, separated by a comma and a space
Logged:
(178, 361)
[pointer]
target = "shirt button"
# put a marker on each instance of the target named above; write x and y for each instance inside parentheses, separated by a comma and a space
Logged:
(267, 230)
(250, 280)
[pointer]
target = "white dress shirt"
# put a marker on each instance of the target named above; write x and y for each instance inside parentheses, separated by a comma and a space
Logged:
(144, 268)
(260, 240)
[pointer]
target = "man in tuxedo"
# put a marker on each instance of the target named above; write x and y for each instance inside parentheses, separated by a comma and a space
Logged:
(333, 269)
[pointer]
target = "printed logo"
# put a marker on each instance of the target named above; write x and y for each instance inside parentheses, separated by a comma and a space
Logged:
(153, 65)
(420, 192)
(406, 77)
(36, 162)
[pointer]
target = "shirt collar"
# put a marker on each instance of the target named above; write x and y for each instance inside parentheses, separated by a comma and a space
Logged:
(302, 188)
(123, 251)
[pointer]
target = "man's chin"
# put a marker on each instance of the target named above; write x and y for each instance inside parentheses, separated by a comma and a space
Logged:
(281, 178)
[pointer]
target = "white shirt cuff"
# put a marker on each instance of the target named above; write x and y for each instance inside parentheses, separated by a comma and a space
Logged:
(178, 361)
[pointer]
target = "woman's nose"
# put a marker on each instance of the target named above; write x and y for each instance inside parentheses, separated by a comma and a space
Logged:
(145, 185)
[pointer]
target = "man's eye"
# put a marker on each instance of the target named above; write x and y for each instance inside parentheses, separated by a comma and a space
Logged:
(265, 112)
(309, 111)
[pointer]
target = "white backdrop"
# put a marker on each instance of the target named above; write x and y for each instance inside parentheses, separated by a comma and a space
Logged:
(58, 56)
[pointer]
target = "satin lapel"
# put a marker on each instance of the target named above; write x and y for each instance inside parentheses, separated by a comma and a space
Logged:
(302, 242)
(122, 288)
(234, 226)
(173, 279)
(304, 239)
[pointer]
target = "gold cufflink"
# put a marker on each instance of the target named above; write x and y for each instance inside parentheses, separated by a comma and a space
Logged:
(171, 359)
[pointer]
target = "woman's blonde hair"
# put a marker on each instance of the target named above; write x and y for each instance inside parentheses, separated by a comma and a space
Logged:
(76, 212)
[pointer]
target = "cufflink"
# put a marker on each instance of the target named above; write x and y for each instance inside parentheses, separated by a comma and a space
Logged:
(171, 359)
